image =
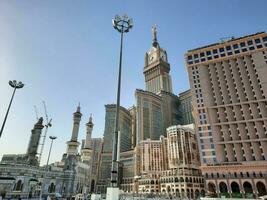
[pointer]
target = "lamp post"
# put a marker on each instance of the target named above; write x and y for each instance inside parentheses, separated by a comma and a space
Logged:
(52, 139)
(122, 24)
(46, 167)
(16, 85)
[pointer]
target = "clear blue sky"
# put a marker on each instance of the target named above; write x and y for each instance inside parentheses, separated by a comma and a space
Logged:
(67, 52)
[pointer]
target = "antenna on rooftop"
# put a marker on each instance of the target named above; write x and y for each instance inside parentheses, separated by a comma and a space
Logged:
(225, 39)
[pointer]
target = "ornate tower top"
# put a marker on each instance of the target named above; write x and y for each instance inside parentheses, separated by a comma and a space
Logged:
(90, 124)
(78, 108)
(154, 36)
(157, 68)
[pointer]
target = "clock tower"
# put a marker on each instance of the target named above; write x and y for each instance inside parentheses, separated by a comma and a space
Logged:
(157, 68)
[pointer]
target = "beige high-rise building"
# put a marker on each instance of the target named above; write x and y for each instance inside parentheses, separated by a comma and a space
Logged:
(170, 165)
(229, 87)
(183, 177)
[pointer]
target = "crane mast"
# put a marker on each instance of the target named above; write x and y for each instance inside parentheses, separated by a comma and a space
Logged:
(43, 137)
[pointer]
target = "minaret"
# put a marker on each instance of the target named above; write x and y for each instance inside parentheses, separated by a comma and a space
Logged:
(73, 144)
(157, 68)
(34, 142)
(87, 150)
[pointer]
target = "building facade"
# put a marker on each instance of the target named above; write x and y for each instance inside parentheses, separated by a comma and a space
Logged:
(125, 125)
(97, 145)
(229, 88)
(186, 108)
(171, 165)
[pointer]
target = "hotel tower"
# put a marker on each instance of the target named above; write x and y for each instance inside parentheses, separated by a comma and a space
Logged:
(228, 82)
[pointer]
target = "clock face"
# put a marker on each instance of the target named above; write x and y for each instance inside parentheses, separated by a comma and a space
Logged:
(151, 59)
(163, 56)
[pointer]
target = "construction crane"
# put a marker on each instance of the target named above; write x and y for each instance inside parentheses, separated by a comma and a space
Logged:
(43, 137)
(36, 113)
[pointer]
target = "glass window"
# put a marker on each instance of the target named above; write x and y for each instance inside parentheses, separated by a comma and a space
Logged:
(189, 57)
(203, 59)
(204, 160)
(257, 41)
(250, 42)
(264, 39)
(209, 53)
(211, 140)
(237, 51)
(235, 46)
(244, 50)
(242, 44)
(190, 63)
(203, 153)
(212, 146)
(216, 56)
(230, 53)
(215, 51)
(201, 140)
(209, 58)
(195, 55)
(221, 49)
(202, 54)
(223, 55)
(196, 61)
(228, 48)
(251, 48)
(259, 46)
(265, 44)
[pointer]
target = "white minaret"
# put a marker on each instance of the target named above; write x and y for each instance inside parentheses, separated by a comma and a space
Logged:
(89, 129)
(73, 144)
(87, 150)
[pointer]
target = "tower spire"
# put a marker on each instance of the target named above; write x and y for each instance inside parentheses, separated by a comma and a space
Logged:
(154, 36)
(78, 108)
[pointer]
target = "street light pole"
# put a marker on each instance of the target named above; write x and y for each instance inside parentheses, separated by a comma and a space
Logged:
(123, 25)
(52, 139)
(16, 85)
(46, 167)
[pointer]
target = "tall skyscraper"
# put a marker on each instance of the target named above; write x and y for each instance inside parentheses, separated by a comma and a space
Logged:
(186, 107)
(229, 87)
(156, 107)
(157, 68)
(125, 128)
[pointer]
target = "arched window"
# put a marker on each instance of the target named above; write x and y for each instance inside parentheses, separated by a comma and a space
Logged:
(52, 188)
(248, 189)
(223, 187)
(212, 189)
(235, 187)
(19, 186)
(261, 188)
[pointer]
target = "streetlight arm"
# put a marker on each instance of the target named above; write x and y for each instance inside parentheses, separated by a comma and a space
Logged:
(16, 86)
